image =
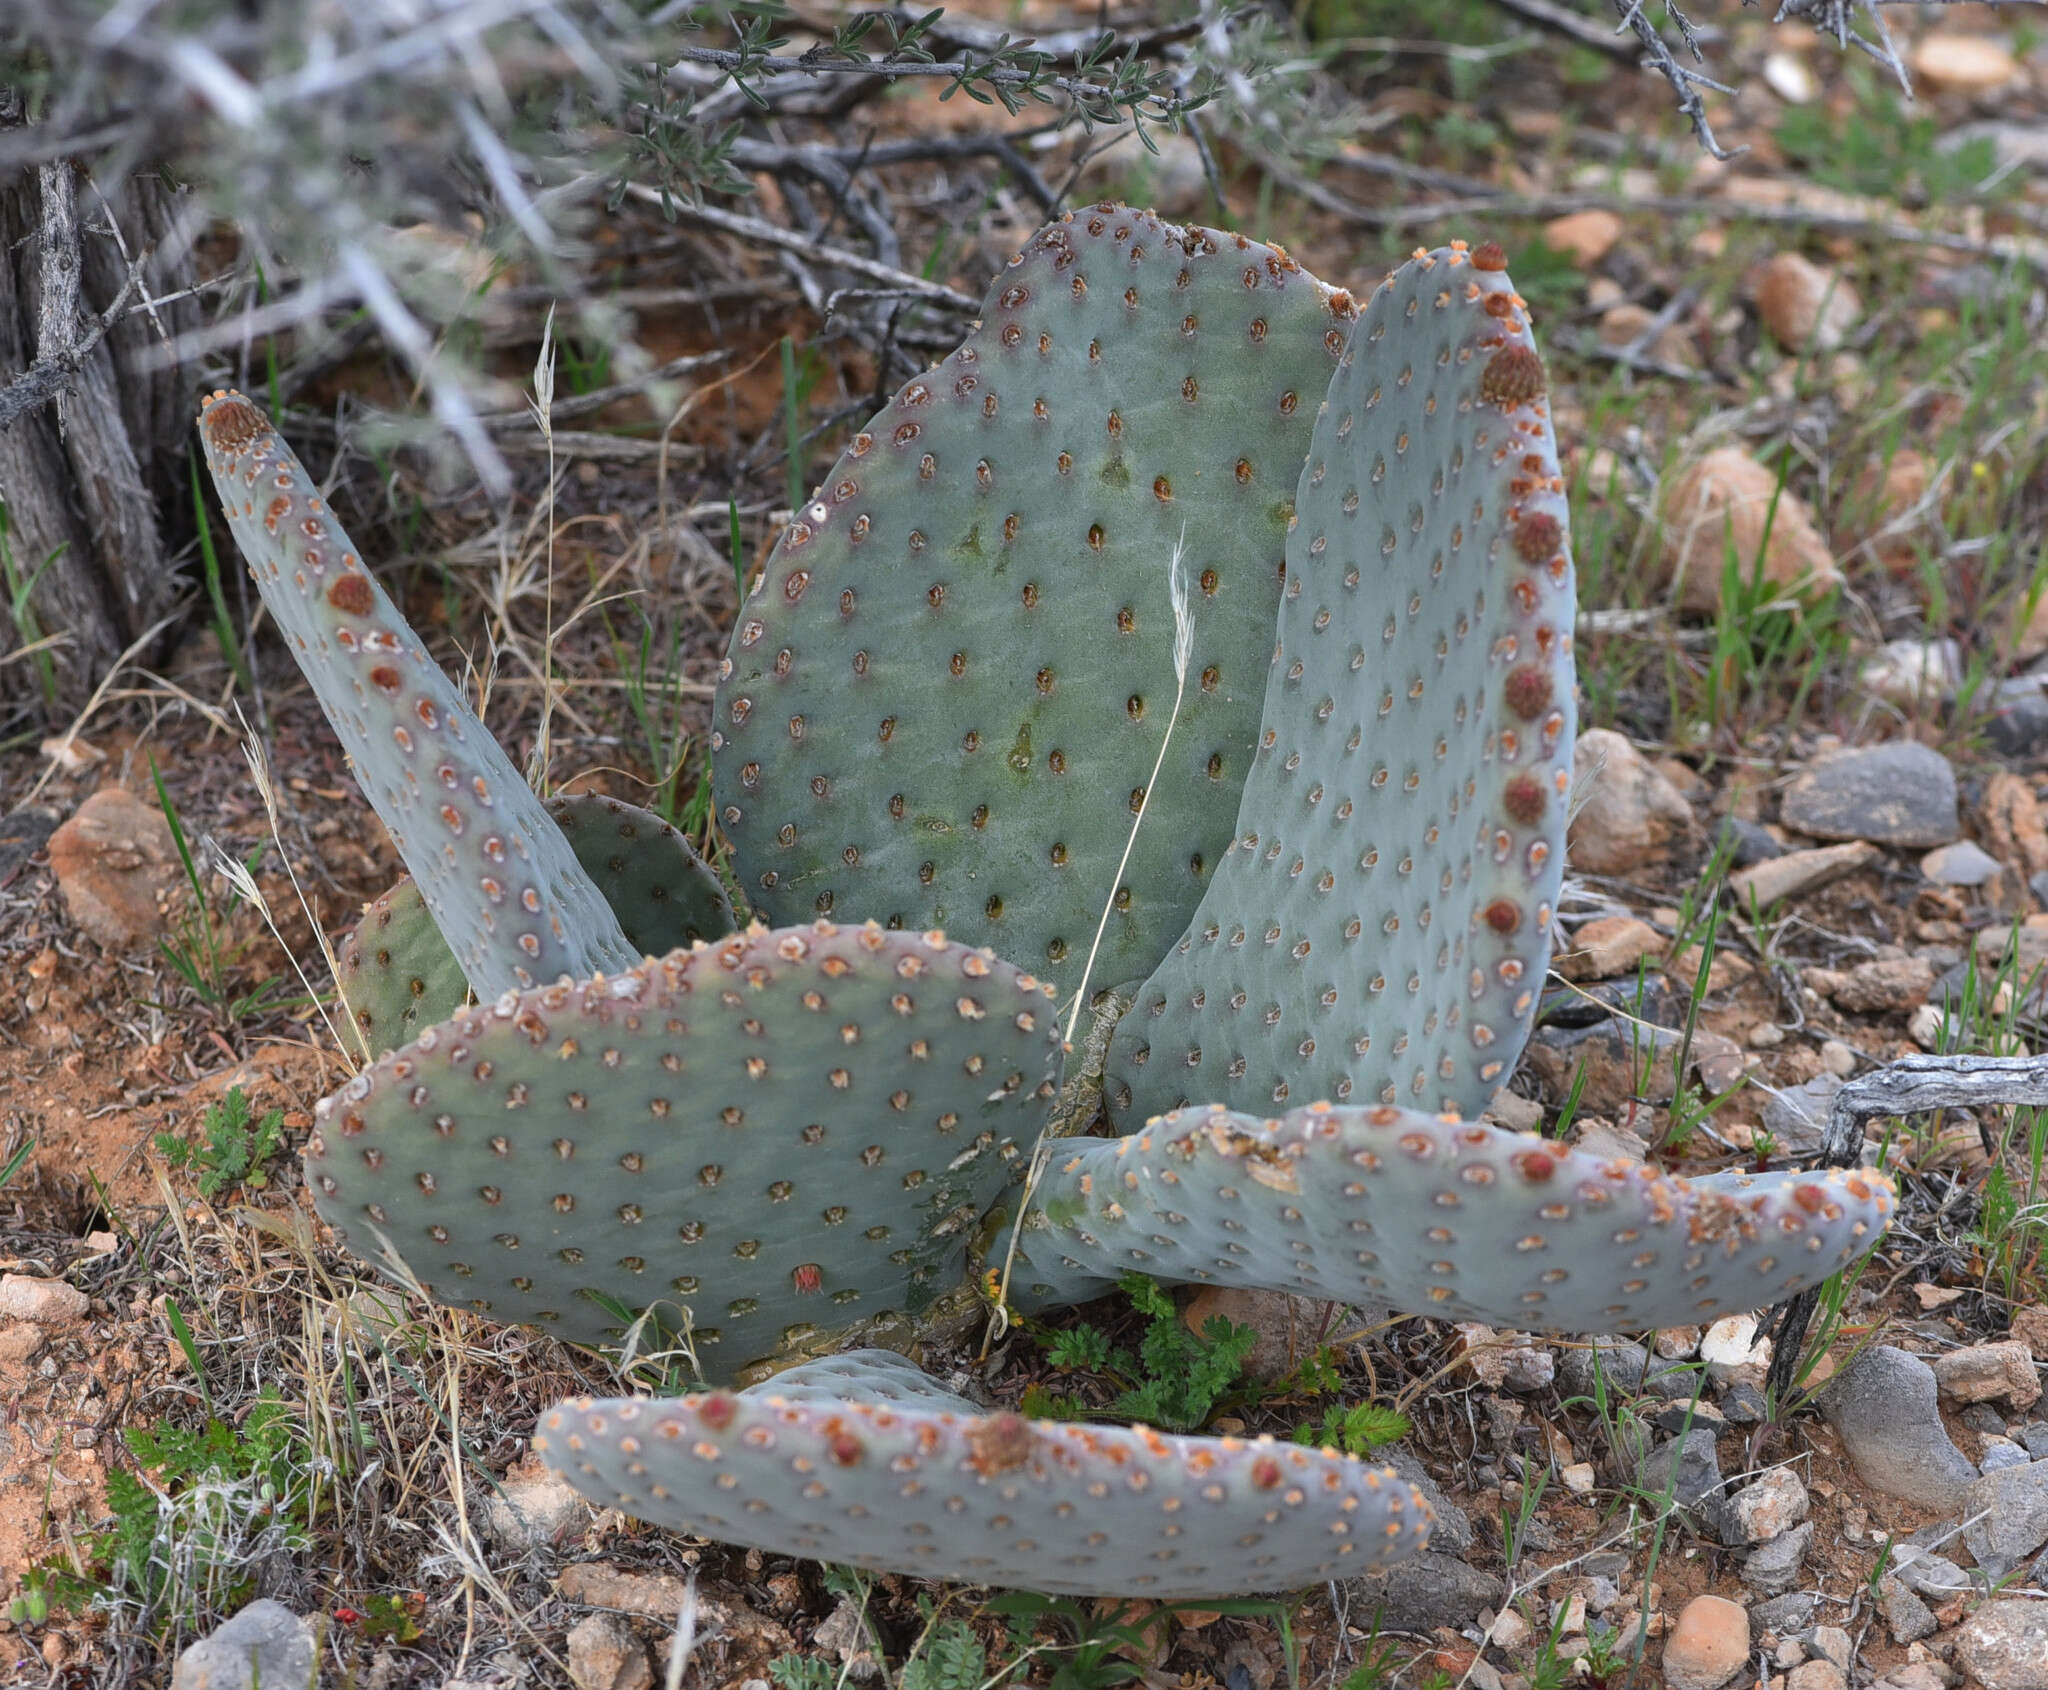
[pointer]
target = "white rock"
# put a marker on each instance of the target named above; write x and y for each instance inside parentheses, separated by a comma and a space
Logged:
(1731, 1347)
(1788, 76)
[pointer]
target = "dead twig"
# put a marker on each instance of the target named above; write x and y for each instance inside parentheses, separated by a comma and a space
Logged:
(1915, 1085)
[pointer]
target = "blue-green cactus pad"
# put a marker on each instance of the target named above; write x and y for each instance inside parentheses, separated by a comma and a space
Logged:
(1435, 1216)
(928, 1484)
(944, 699)
(1380, 924)
(762, 1140)
(503, 886)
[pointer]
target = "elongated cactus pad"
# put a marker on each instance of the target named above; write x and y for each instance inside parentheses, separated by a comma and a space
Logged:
(400, 977)
(944, 700)
(929, 1484)
(503, 886)
(1380, 924)
(1437, 1216)
(762, 1140)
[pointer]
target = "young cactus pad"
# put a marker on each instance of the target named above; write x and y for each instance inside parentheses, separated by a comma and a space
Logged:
(944, 700)
(1380, 924)
(503, 886)
(400, 977)
(929, 1484)
(1437, 1216)
(762, 1140)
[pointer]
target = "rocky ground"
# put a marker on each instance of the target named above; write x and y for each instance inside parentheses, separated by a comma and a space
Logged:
(1811, 840)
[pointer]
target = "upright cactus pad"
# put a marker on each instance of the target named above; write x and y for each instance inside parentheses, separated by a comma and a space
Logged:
(762, 1140)
(929, 1484)
(503, 886)
(1437, 1216)
(396, 973)
(399, 976)
(1380, 924)
(943, 701)
(664, 894)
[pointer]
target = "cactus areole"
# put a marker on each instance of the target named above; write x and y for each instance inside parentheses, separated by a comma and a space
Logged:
(1181, 540)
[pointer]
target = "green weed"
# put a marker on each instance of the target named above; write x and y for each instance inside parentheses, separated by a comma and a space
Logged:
(1357, 1430)
(201, 951)
(21, 609)
(234, 1149)
(1175, 1379)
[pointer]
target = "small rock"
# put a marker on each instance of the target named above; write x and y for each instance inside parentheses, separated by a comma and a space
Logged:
(531, 1507)
(1788, 76)
(2004, 1644)
(117, 865)
(1774, 1567)
(1708, 1646)
(1911, 672)
(1883, 1409)
(1808, 308)
(843, 1635)
(1837, 1058)
(2030, 1326)
(1424, 1592)
(1746, 842)
(2035, 1436)
(1676, 1343)
(1626, 324)
(47, 1302)
(1985, 1372)
(1609, 946)
(1517, 1113)
(1898, 793)
(1816, 1675)
(1773, 1505)
(1505, 1361)
(1509, 1630)
(1578, 1478)
(1728, 497)
(265, 1644)
(1831, 1643)
(1916, 1675)
(1950, 62)
(1685, 1468)
(1622, 1367)
(2013, 1503)
(1588, 236)
(1731, 1349)
(1906, 1617)
(604, 1654)
(1283, 1323)
(1744, 1404)
(1888, 511)
(2015, 828)
(1883, 986)
(1630, 813)
(1680, 1417)
(1797, 1117)
(1926, 1574)
(2001, 1452)
(2015, 709)
(1965, 863)
(1783, 1615)
(1799, 872)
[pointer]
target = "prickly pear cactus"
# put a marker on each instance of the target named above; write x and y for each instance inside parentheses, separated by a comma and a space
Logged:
(396, 973)
(925, 1482)
(1380, 924)
(944, 700)
(763, 1140)
(946, 697)
(1438, 1216)
(502, 885)
(399, 976)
